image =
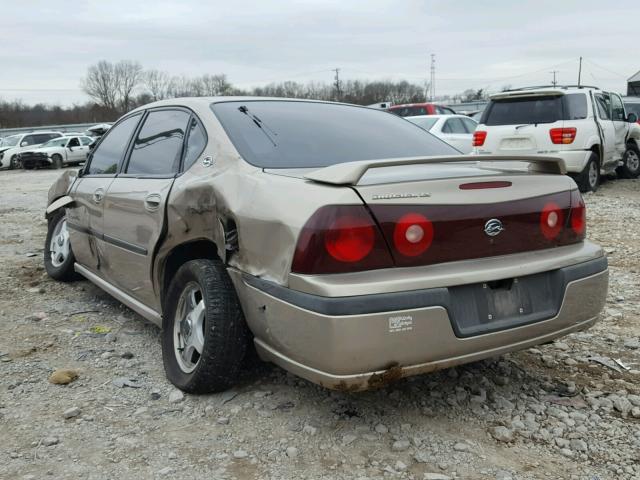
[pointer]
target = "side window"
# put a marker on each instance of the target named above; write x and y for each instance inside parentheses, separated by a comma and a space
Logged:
(469, 124)
(158, 147)
(454, 125)
(602, 103)
(196, 141)
(74, 142)
(617, 108)
(109, 152)
(29, 140)
(86, 140)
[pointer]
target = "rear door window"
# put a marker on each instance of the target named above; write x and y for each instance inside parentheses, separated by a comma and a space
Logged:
(111, 149)
(196, 141)
(158, 147)
(454, 125)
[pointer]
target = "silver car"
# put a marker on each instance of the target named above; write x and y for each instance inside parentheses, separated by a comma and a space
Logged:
(351, 247)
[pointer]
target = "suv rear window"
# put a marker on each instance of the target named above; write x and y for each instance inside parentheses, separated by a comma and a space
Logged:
(535, 109)
(296, 134)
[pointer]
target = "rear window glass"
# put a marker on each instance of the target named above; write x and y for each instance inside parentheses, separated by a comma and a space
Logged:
(535, 109)
(424, 122)
(409, 111)
(288, 134)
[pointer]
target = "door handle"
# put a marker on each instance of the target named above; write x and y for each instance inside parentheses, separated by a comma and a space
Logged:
(152, 202)
(98, 195)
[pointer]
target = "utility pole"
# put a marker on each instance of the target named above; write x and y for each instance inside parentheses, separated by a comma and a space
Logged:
(337, 84)
(554, 82)
(579, 71)
(432, 81)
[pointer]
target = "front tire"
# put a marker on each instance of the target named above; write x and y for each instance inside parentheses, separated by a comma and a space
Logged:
(589, 179)
(58, 255)
(204, 334)
(14, 163)
(630, 167)
(56, 161)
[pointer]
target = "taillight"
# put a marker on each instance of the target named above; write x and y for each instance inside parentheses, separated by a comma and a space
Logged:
(551, 220)
(563, 136)
(412, 234)
(339, 239)
(578, 214)
(479, 136)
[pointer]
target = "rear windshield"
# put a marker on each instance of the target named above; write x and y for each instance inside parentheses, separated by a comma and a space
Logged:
(288, 134)
(538, 109)
(409, 111)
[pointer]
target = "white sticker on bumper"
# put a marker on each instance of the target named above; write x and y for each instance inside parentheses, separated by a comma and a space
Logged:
(401, 323)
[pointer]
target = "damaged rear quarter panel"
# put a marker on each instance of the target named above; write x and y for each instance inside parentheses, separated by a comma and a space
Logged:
(268, 210)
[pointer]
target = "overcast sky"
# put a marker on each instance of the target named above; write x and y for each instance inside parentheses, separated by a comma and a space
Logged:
(46, 46)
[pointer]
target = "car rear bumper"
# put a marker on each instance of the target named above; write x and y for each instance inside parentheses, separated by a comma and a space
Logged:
(363, 341)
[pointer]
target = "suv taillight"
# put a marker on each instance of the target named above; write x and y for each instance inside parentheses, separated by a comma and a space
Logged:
(339, 239)
(479, 136)
(563, 136)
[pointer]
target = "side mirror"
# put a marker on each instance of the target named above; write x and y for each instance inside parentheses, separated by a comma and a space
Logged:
(632, 118)
(24, 144)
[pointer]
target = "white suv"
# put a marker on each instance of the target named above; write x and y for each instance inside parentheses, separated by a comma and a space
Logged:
(15, 144)
(585, 126)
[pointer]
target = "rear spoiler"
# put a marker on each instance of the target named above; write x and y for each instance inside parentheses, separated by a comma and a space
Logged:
(526, 93)
(351, 172)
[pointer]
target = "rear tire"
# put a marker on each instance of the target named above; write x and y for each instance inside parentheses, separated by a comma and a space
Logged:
(589, 179)
(56, 161)
(204, 336)
(58, 255)
(630, 167)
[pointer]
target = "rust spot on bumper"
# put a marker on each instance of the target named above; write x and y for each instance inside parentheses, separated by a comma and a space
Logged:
(390, 375)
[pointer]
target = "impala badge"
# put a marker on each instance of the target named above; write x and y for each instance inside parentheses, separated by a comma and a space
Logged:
(493, 227)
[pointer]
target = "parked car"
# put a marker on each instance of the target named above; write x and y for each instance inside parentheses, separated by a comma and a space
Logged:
(13, 145)
(587, 127)
(456, 130)
(56, 153)
(352, 247)
(415, 109)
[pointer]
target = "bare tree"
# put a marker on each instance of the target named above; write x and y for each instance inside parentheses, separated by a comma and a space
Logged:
(129, 74)
(157, 83)
(215, 85)
(102, 84)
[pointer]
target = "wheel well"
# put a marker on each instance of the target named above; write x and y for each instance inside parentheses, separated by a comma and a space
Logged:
(184, 253)
(596, 149)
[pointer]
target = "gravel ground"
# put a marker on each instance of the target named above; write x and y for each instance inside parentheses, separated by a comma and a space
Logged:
(549, 412)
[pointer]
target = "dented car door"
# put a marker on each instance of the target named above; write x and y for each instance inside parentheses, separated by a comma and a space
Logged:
(135, 202)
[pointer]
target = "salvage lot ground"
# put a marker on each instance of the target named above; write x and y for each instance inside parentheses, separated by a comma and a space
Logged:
(564, 415)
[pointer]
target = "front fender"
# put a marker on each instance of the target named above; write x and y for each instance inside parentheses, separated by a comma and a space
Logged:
(57, 204)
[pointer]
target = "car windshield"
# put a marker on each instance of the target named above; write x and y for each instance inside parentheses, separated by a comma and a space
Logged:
(296, 134)
(11, 141)
(56, 142)
(426, 123)
(632, 108)
(535, 109)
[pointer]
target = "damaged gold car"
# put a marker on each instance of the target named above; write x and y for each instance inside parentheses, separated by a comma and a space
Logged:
(352, 247)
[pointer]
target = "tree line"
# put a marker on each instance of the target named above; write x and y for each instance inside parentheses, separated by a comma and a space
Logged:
(116, 88)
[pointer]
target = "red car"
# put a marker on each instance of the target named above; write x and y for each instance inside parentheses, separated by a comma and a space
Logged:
(413, 109)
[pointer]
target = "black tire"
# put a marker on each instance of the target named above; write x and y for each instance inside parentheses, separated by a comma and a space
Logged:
(28, 166)
(56, 161)
(224, 329)
(14, 163)
(589, 179)
(62, 271)
(630, 167)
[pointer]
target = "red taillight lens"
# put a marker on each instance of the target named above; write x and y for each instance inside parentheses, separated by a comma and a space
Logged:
(551, 220)
(479, 136)
(340, 239)
(578, 214)
(350, 238)
(412, 234)
(563, 136)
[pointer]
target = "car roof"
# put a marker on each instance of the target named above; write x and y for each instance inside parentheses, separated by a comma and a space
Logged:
(206, 101)
(538, 91)
(402, 105)
(450, 115)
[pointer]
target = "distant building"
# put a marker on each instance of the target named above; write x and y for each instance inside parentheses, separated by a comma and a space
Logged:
(633, 85)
